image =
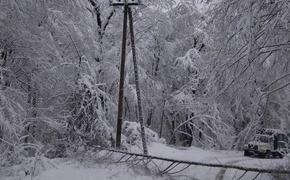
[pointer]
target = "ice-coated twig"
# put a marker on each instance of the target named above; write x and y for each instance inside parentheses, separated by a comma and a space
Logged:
(256, 176)
(242, 175)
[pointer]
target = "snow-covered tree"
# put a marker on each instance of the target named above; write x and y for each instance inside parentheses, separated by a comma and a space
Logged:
(250, 63)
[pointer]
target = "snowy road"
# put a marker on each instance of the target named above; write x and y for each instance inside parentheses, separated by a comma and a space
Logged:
(222, 157)
(73, 170)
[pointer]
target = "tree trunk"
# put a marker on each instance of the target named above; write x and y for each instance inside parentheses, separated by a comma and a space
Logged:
(31, 127)
(162, 120)
(149, 119)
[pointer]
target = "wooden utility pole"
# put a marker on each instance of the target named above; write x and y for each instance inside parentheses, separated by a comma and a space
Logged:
(127, 10)
(139, 102)
(122, 79)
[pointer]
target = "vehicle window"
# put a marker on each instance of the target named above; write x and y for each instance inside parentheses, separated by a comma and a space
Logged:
(282, 137)
(263, 139)
(281, 145)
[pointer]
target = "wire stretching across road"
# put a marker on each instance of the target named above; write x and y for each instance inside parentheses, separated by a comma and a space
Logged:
(227, 166)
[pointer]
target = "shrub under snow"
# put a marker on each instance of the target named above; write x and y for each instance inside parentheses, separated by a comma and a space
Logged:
(132, 133)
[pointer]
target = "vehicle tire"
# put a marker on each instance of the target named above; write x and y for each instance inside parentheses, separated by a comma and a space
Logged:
(268, 155)
(276, 155)
(280, 156)
(246, 153)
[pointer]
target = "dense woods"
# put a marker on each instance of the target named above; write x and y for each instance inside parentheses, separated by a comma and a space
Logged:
(211, 73)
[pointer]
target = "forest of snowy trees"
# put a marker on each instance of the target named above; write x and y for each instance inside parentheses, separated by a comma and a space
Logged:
(211, 73)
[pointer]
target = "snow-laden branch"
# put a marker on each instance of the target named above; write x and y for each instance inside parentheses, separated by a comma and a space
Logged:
(195, 117)
(276, 80)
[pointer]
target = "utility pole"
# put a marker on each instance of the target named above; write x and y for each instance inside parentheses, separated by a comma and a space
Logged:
(126, 4)
(122, 79)
(139, 102)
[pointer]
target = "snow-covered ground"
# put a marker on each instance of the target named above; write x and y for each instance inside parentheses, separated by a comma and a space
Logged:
(61, 169)
(72, 170)
(222, 157)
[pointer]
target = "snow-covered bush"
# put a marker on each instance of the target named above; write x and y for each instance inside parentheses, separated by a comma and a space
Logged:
(27, 167)
(49, 93)
(89, 121)
(132, 133)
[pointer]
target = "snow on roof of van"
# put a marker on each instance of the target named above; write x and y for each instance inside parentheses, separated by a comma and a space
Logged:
(271, 131)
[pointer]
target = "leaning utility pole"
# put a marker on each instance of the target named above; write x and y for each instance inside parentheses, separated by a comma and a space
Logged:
(139, 102)
(122, 78)
(127, 9)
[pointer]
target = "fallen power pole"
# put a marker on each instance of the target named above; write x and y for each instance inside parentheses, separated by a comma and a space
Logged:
(193, 163)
